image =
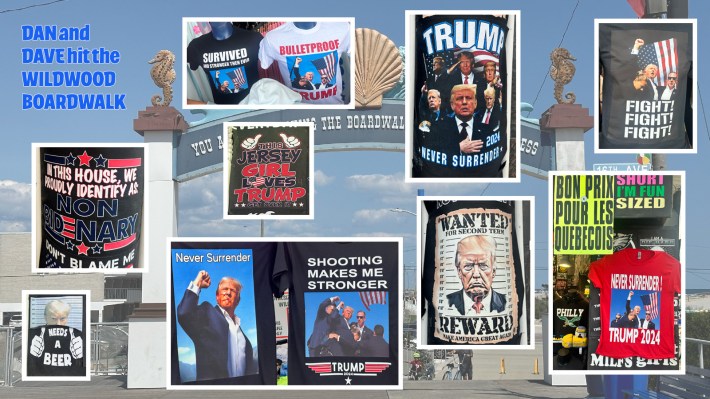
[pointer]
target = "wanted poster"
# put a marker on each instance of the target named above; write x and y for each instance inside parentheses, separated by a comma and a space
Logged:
(475, 286)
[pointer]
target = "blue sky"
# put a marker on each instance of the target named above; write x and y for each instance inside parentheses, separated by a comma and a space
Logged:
(354, 190)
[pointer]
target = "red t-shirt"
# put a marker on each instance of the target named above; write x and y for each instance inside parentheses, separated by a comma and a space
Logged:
(653, 278)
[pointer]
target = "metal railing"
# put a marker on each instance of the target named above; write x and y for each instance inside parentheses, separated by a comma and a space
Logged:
(10, 355)
(109, 355)
(131, 295)
(109, 351)
(690, 342)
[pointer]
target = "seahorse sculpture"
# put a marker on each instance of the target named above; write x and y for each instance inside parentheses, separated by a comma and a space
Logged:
(562, 71)
(163, 75)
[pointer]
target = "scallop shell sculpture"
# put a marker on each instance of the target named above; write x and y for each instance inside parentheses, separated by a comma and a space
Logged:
(378, 67)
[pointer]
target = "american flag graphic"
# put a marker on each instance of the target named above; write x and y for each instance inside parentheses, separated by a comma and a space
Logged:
(256, 181)
(69, 226)
(113, 163)
(326, 65)
(480, 58)
(320, 367)
(650, 304)
(373, 297)
(237, 74)
(663, 54)
(373, 367)
(124, 163)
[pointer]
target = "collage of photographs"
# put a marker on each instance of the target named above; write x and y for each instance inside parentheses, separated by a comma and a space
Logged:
(320, 203)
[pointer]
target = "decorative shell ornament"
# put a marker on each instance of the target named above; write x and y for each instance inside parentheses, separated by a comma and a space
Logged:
(378, 67)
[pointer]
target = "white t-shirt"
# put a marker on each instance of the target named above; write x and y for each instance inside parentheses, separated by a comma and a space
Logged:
(319, 49)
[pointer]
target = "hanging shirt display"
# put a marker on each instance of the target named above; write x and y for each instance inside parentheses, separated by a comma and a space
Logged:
(640, 285)
(231, 64)
(343, 313)
(466, 54)
(210, 280)
(61, 352)
(91, 202)
(308, 59)
(473, 279)
(569, 312)
(648, 81)
(269, 170)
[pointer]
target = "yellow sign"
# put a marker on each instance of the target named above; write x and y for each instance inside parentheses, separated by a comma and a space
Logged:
(583, 214)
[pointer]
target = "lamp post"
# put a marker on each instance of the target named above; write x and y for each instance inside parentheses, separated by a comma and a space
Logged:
(400, 210)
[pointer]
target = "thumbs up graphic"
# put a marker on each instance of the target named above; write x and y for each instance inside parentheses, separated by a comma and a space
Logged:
(37, 346)
(249, 143)
(76, 346)
(290, 141)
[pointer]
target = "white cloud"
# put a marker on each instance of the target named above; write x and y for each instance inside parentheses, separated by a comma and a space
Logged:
(392, 190)
(183, 350)
(378, 234)
(373, 216)
(200, 209)
(200, 214)
(322, 179)
(386, 184)
(15, 208)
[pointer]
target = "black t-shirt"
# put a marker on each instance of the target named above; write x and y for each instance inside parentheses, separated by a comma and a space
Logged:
(92, 206)
(568, 313)
(274, 181)
(231, 65)
(455, 313)
(324, 348)
(642, 108)
(57, 359)
(196, 321)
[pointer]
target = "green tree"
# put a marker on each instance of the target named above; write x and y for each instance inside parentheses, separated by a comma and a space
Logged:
(697, 326)
(540, 307)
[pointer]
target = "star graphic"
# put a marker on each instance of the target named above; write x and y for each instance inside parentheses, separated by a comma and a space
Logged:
(244, 205)
(96, 249)
(70, 245)
(100, 161)
(348, 381)
(84, 159)
(70, 159)
(295, 204)
(83, 249)
(236, 205)
(300, 204)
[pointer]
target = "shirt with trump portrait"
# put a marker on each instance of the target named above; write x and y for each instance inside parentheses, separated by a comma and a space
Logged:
(640, 285)
(473, 280)
(460, 57)
(647, 90)
(309, 58)
(223, 328)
